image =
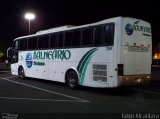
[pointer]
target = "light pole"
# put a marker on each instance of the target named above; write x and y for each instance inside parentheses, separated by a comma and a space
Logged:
(29, 17)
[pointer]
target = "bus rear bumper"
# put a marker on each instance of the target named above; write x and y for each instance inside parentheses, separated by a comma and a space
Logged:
(135, 79)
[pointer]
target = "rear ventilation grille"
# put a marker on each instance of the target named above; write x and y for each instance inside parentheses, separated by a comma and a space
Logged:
(99, 72)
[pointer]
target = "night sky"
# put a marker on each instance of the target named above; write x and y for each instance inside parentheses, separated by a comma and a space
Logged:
(53, 13)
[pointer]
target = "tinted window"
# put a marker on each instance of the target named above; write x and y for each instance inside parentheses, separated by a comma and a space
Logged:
(76, 38)
(23, 44)
(53, 40)
(16, 44)
(108, 34)
(111, 32)
(68, 39)
(32, 43)
(43, 41)
(60, 39)
(87, 37)
(97, 35)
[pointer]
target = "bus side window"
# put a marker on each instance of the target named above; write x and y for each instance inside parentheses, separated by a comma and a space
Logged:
(87, 37)
(109, 34)
(106, 35)
(16, 45)
(68, 39)
(76, 38)
(97, 36)
(60, 40)
(23, 44)
(32, 43)
(43, 41)
(53, 41)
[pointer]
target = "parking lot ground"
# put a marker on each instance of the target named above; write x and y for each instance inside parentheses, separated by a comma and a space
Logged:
(35, 97)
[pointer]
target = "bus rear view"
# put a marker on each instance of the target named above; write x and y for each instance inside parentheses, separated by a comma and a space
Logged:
(136, 51)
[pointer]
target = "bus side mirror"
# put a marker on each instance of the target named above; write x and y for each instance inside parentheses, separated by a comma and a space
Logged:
(12, 56)
(8, 60)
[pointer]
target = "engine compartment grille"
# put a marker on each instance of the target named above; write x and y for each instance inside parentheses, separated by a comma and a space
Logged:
(99, 72)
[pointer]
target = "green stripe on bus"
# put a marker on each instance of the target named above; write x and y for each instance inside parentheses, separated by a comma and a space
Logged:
(83, 64)
(85, 59)
(80, 63)
(84, 70)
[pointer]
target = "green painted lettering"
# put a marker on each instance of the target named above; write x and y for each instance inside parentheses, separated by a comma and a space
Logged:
(52, 55)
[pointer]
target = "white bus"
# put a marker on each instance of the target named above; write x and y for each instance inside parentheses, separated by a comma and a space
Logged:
(110, 53)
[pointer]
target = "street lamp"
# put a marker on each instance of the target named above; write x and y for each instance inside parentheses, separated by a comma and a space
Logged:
(29, 17)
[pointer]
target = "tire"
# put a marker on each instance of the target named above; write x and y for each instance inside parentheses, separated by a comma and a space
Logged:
(21, 73)
(72, 80)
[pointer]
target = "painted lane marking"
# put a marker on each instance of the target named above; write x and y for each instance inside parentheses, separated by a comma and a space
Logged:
(89, 101)
(45, 90)
(9, 77)
(31, 99)
(146, 91)
(4, 71)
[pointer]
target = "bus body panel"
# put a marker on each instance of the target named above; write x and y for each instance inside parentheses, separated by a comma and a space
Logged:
(95, 66)
(94, 71)
(137, 48)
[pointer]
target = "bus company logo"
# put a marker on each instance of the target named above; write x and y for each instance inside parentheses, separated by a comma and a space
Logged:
(129, 29)
(29, 61)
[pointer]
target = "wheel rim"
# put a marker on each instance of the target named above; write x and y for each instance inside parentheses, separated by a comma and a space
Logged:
(21, 73)
(72, 80)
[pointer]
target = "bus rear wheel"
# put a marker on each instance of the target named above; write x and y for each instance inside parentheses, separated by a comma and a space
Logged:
(72, 80)
(21, 73)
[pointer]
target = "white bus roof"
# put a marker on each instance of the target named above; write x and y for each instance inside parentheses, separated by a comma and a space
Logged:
(70, 27)
(54, 29)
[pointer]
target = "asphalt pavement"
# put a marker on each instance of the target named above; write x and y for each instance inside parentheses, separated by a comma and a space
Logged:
(32, 98)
